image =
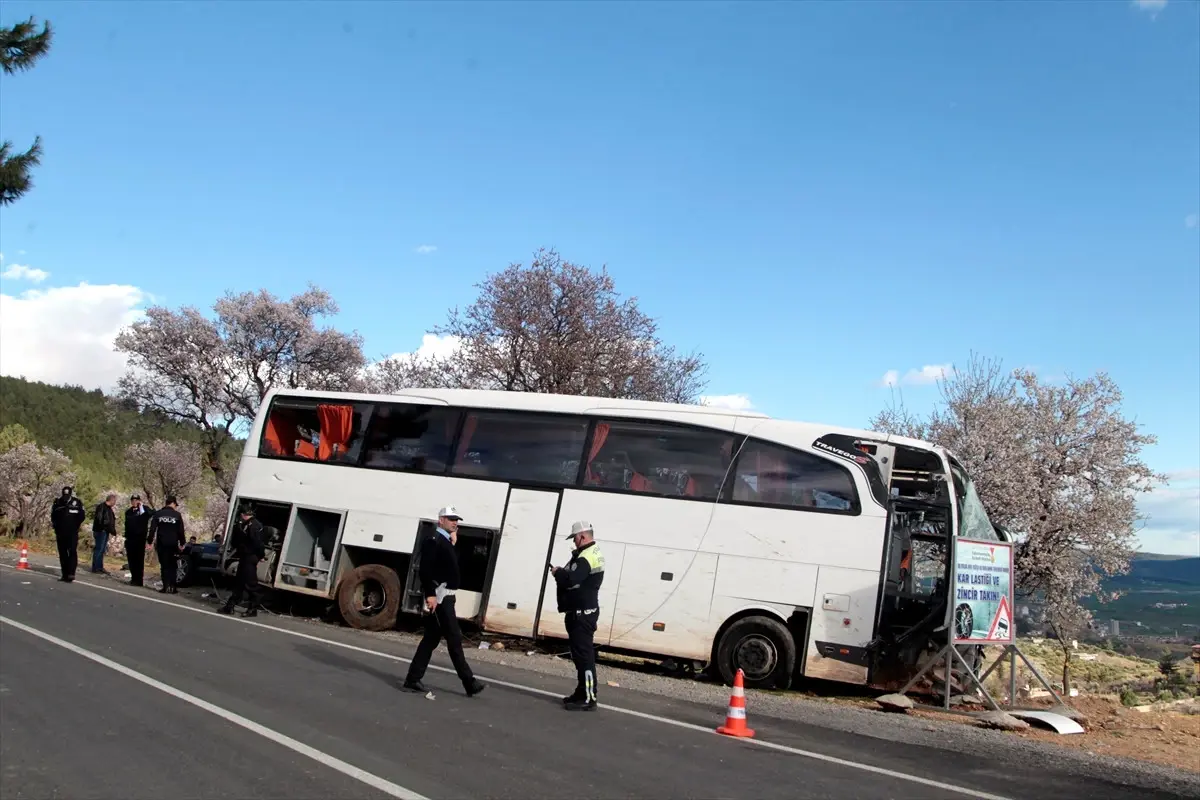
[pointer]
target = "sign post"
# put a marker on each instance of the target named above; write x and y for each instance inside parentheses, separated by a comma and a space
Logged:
(980, 612)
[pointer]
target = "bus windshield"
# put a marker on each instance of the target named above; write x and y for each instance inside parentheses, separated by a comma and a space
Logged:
(972, 516)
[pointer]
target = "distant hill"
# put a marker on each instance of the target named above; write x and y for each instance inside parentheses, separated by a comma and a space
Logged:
(1149, 570)
(84, 425)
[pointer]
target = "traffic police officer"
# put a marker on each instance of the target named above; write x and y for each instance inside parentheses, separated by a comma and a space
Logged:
(579, 600)
(66, 517)
(247, 542)
(167, 528)
(137, 524)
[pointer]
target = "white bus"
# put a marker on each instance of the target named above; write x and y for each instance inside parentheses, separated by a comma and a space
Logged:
(732, 539)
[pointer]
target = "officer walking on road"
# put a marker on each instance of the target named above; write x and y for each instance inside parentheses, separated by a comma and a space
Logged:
(137, 527)
(579, 600)
(167, 528)
(66, 517)
(439, 577)
(246, 541)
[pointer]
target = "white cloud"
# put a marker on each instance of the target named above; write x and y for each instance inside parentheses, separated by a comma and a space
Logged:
(432, 345)
(1173, 515)
(930, 373)
(19, 272)
(1192, 220)
(1152, 6)
(65, 334)
(733, 402)
(426, 249)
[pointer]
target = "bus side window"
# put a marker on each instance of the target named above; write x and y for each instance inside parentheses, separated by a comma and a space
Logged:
(777, 476)
(664, 460)
(521, 447)
(411, 437)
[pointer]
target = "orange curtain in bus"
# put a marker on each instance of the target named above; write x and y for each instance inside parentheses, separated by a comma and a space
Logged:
(337, 424)
(280, 436)
(599, 437)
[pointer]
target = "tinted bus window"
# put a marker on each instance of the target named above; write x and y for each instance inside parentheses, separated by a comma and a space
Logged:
(314, 430)
(520, 447)
(411, 437)
(666, 460)
(770, 475)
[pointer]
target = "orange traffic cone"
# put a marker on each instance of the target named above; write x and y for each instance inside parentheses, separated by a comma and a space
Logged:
(735, 717)
(23, 561)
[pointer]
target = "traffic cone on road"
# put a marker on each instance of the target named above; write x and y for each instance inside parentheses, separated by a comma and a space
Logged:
(735, 717)
(23, 561)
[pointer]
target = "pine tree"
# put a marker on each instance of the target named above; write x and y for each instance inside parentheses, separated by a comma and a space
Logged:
(20, 47)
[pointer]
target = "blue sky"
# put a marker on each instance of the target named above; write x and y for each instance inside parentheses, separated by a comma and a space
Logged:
(813, 194)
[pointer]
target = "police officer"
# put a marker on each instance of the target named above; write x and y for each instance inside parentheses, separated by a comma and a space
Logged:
(66, 517)
(167, 527)
(247, 541)
(137, 527)
(578, 594)
(439, 577)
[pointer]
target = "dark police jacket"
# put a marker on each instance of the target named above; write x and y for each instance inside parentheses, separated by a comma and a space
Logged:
(579, 582)
(66, 516)
(247, 540)
(138, 525)
(439, 564)
(167, 526)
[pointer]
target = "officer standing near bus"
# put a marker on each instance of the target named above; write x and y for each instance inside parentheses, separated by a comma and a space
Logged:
(247, 541)
(167, 528)
(579, 601)
(439, 576)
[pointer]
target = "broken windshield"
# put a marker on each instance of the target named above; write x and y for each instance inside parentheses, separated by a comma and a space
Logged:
(973, 522)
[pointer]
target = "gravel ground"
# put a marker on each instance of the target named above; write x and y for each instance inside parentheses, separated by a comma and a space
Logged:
(1003, 750)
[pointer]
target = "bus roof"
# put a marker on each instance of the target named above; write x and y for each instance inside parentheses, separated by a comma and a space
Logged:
(577, 404)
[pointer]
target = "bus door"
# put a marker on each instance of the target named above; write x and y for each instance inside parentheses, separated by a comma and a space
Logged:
(307, 560)
(522, 554)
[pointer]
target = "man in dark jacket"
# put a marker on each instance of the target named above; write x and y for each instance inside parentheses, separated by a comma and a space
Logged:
(578, 595)
(439, 577)
(104, 525)
(66, 517)
(247, 541)
(137, 528)
(167, 536)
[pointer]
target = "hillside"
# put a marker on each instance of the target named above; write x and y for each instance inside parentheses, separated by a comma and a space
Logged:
(84, 425)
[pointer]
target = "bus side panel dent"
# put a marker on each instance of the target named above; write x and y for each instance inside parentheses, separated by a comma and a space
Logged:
(775, 582)
(664, 601)
(842, 622)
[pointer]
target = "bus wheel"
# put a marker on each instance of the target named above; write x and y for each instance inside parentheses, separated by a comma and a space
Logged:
(369, 598)
(762, 648)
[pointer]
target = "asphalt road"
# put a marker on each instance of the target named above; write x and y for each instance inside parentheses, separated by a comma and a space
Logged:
(289, 716)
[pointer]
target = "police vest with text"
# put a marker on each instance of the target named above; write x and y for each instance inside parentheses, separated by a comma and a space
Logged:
(584, 595)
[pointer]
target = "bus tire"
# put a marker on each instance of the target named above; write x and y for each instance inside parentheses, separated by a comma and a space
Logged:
(369, 598)
(763, 648)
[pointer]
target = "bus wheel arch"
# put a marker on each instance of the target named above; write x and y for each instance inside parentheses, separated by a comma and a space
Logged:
(760, 644)
(369, 597)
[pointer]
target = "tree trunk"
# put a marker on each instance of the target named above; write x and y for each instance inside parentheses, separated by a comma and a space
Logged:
(1066, 673)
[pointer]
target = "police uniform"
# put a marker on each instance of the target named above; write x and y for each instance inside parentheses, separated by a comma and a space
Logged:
(439, 576)
(166, 534)
(137, 525)
(247, 541)
(578, 596)
(66, 517)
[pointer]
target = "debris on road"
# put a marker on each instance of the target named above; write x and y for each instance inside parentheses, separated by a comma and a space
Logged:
(1002, 721)
(895, 702)
(614, 684)
(429, 695)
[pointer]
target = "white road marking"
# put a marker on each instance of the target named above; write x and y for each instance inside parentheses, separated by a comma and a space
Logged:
(382, 784)
(948, 787)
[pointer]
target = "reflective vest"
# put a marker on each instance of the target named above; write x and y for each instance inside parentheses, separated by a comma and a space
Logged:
(585, 595)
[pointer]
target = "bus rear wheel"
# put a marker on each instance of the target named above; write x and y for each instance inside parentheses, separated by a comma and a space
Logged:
(369, 598)
(762, 648)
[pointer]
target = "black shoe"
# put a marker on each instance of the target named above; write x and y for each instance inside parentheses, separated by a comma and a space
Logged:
(225, 610)
(575, 697)
(581, 705)
(162, 590)
(135, 583)
(416, 686)
(252, 612)
(475, 688)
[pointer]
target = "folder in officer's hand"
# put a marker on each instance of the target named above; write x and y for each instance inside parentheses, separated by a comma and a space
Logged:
(440, 593)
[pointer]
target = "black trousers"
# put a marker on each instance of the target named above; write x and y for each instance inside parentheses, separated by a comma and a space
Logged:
(581, 634)
(68, 552)
(169, 560)
(135, 554)
(443, 622)
(247, 583)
